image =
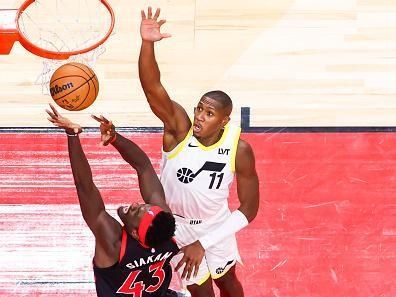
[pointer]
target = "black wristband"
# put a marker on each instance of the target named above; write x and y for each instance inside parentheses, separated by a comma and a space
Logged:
(71, 135)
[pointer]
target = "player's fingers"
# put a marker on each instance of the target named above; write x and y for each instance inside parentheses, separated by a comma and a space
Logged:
(161, 22)
(149, 12)
(180, 264)
(143, 14)
(106, 143)
(157, 13)
(50, 114)
(104, 119)
(166, 35)
(51, 120)
(96, 118)
(107, 128)
(56, 113)
(102, 141)
(186, 270)
(189, 271)
(196, 268)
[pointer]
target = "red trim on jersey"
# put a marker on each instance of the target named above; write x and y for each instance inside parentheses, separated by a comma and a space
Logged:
(123, 245)
(145, 223)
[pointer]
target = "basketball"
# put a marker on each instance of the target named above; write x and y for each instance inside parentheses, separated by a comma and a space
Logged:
(74, 86)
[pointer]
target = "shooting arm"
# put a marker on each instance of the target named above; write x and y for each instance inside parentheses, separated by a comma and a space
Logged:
(150, 187)
(105, 228)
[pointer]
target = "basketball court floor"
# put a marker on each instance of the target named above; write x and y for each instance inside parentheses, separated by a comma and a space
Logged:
(313, 83)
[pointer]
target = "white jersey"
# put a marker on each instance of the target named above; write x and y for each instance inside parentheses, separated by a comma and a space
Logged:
(197, 179)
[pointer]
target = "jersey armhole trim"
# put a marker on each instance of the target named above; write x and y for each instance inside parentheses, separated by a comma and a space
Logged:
(172, 154)
(123, 245)
(234, 149)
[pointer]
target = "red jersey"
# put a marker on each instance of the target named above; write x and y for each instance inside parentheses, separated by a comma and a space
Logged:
(140, 272)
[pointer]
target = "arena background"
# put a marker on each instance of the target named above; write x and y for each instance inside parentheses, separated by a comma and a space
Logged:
(313, 84)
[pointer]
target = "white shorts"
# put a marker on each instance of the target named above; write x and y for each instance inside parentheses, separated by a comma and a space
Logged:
(218, 258)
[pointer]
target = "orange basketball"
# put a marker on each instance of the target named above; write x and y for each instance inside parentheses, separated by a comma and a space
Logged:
(74, 86)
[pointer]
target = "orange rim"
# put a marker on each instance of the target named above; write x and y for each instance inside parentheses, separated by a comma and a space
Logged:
(53, 54)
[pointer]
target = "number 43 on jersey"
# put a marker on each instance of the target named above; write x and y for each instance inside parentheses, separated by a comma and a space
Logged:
(136, 289)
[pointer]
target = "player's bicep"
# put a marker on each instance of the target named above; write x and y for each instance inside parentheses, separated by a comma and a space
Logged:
(247, 180)
(172, 115)
(160, 102)
(107, 230)
(93, 210)
(108, 233)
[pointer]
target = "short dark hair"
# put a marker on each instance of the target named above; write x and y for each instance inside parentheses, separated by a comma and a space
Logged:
(161, 229)
(220, 97)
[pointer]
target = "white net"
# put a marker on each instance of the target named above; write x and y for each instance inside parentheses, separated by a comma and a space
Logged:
(49, 66)
(65, 26)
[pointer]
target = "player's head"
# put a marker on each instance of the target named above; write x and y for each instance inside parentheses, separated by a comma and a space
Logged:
(149, 224)
(211, 114)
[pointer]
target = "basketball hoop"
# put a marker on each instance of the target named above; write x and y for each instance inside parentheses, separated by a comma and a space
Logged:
(13, 28)
(60, 31)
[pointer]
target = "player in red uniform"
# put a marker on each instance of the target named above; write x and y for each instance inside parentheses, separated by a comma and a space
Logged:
(133, 259)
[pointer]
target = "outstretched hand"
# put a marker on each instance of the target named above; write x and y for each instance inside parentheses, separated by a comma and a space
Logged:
(150, 26)
(107, 130)
(192, 258)
(60, 121)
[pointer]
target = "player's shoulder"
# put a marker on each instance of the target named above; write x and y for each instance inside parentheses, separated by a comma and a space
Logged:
(244, 160)
(244, 146)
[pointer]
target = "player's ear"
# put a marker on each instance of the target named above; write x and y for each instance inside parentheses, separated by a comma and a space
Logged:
(225, 121)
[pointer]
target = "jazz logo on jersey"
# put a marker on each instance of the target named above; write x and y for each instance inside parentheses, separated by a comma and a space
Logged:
(186, 175)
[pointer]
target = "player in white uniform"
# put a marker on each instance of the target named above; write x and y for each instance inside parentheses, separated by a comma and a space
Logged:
(197, 180)
(199, 161)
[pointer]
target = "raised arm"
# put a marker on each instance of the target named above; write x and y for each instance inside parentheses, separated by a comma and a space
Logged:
(106, 229)
(174, 117)
(150, 186)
